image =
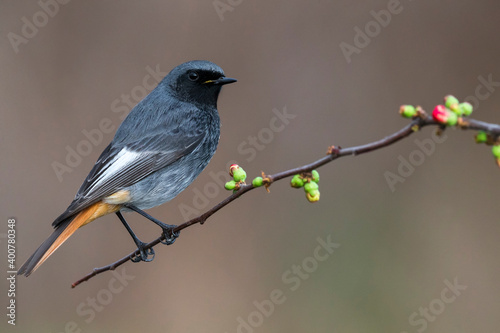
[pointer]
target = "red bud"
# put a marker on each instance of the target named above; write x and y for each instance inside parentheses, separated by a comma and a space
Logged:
(440, 114)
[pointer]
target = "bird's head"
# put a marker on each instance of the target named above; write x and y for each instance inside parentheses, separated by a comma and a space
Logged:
(197, 81)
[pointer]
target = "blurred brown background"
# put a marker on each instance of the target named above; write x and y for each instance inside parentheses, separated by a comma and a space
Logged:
(397, 248)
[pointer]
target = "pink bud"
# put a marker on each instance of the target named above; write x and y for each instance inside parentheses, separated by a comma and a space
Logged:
(440, 114)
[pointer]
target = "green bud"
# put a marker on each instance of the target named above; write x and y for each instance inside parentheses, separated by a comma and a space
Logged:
(407, 111)
(452, 119)
(466, 108)
(496, 151)
(315, 176)
(312, 196)
(481, 137)
(239, 175)
(297, 182)
(230, 185)
(257, 182)
(452, 103)
(311, 186)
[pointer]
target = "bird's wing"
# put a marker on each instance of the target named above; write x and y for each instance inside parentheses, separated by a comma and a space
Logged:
(125, 164)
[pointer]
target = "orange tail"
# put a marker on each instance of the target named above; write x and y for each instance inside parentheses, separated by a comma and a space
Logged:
(62, 233)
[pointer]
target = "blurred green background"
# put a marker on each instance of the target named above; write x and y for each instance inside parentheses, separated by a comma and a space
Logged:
(397, 248)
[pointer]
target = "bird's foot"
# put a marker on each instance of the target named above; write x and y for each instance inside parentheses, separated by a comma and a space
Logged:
(169, 234)
(144, 253)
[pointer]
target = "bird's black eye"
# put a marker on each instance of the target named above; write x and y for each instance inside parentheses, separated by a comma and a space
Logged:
(193, 76)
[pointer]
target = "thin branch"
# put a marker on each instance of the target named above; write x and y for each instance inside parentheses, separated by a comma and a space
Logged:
(333, 153)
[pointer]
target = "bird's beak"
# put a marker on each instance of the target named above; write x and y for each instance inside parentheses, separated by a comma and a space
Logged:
(222, 81)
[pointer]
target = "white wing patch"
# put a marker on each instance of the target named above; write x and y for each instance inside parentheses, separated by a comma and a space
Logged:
(121, 161)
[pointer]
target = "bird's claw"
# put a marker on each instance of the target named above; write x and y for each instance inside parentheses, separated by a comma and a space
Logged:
(144, 254)
(169, 235)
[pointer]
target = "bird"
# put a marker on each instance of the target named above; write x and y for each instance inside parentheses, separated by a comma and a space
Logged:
(160, 148)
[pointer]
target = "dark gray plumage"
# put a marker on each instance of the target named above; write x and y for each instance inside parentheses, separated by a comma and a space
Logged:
(158, 150)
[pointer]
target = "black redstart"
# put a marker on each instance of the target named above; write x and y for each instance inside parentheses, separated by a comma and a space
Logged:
(159, 149)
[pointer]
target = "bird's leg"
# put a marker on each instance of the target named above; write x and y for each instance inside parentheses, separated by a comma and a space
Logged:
(144, 253)
(168, 229)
